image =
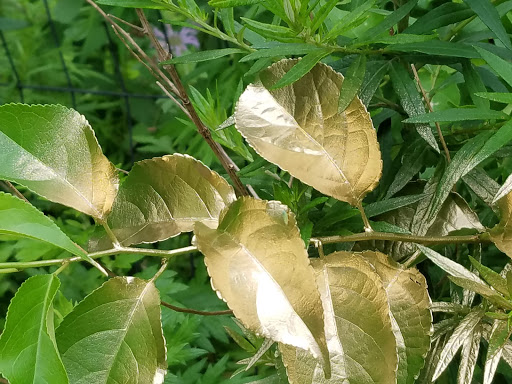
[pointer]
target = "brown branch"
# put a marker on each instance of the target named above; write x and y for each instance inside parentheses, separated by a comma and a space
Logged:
(228, 164)
(429, 106)
(196, 312)
(14, 190)
(3, 381)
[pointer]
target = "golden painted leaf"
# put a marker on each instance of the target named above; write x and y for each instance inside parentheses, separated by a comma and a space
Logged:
(410, 310)
(53, 151)
(298, 127)
(358, 326)
(258, 265)
(501, 234)
(165, 196)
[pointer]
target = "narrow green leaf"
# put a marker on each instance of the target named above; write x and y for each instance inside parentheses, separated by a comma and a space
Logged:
(232, 3)
(494, 279)
(302, 67)
(509, 282)
(269, 30)
(504, 190)
(463, 331)
(18, 217)
(53, 151)
(487, 12)
(373, 76)
(468, 157)
(450, 266)
(411, 100)
(483, 186)
(500, 66)
(197, 57)
(383, 206)
(282, 50)
(115, 335)
(483, 290)
(458, 114)
(28, 354)
(499, 335)
(474, 85)
(390, 20)
(400, 38)
(441, 16)
(438, 48)
(469, 356)
(147, 4)
(496, 96)
(322, 13)
(352, 82)
(347, 21)
(412, 163)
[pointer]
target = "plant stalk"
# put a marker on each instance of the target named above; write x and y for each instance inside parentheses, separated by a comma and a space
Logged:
(427, 240)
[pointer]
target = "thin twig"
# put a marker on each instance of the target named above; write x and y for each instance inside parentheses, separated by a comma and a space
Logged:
(404, 237)
(15, 191)
(228, 164)
(136, 27)
(429, 106)
(170, 96)
(196, 312)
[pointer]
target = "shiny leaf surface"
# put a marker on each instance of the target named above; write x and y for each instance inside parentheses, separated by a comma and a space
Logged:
(357, 322)
(258, 265)
(18, 217)
(501, 234)
(298, 127)
(410, 309)
(115, 335)
(483, 290)
(469, 356)
(165, 196)
(53, 151)
(463, 331)
(27, 351)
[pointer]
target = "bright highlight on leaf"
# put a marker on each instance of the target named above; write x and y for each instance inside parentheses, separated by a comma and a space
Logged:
(258, 265)
(501, 234)
(298, 127)
(27, 350)
(115, 335)
(358, 326)
(165, 196)
(53, 151)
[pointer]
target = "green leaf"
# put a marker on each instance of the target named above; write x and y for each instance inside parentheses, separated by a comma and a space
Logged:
(500, 66)
(504, 189)
(390, 20)
(464, 330)
(147, 4)
(245, 257)
(373, 76)
(282, 50)
(270, 30)
(450, 266)
(198, 57)
(483, 290)
(468, 157)
(411, 100)
(18, 217)
(494, 279)
(458, 114)
(474, 85)
(499, 336)
(483, 186)
(232, 3)
(357, 323)
(469, 356)
(409, 303)
(164, 196)
(352, 82)
(115, 335)
(302, 67)
(52, 150)
(400, 39)
(441, 16)
(350, 19)
(496, 96)
(438, 48)
(383, 206)
(487, 12)
(27, 350)
(322, 13)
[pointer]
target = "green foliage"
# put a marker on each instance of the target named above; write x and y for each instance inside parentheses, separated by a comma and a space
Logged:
(407, 154)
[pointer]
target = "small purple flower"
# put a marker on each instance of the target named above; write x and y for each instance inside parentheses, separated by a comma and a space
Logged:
(178, 41)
